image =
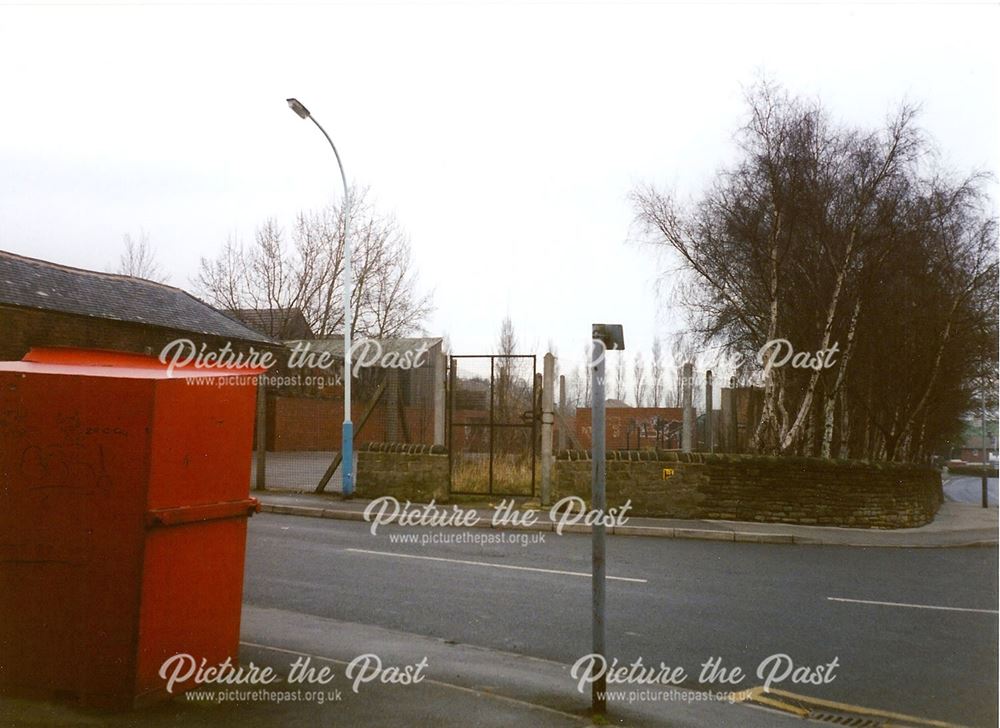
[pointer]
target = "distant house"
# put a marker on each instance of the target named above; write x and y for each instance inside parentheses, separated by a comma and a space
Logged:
(628, 427)
(281, 324)
(970, 449)
(48, 304)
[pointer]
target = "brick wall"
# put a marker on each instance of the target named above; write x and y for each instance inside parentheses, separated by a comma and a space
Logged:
(752, 488)
(417, 473)
(312, 423)
(23, 328)
(619, 420)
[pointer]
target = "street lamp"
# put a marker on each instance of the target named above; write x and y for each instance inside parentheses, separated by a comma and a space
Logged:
(605, 337)
(347, 438)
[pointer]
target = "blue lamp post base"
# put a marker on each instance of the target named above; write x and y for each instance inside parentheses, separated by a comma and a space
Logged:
(347, 461)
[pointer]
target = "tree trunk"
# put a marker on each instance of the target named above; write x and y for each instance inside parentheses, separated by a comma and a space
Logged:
(831, 399)
(806, 404)
(844, 449)
(768, 427)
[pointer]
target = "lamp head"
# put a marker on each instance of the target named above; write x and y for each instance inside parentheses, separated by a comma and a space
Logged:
(296, 106)
(610, 335)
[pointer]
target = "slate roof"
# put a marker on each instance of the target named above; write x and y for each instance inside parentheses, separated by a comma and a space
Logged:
(278, 323)
(616, 403)
(39, 284)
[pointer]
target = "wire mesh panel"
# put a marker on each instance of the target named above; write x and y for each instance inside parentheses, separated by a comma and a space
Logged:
(493, 424)
(514, 461)
(470, 409)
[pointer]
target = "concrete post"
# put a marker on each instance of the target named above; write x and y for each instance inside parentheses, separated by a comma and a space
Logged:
(562, 411)
(548, 383)
(392, 405)
(260, 479)
(440, 363)
(734, 420)
(709, 444)
(687, 433)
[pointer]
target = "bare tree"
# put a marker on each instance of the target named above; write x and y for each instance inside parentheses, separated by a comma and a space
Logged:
(575, 395)
(639, 379)
(139, 259)
(304, 270)
(827, 236)
(621, 376)
(656, 373)
(506, 389)
(513, 389)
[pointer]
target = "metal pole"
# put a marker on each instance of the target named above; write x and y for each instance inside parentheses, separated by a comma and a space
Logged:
(492, 397)
(260, 481)
(548, 384)
(986, 459)
(347, 437)
(687, 432)
(597, 498)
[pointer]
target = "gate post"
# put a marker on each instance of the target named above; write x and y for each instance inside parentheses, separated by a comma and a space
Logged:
(562, 412)
(548, 382)
(709, 444)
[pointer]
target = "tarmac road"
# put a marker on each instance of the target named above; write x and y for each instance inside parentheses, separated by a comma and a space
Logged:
(969, 489)
(912, 630)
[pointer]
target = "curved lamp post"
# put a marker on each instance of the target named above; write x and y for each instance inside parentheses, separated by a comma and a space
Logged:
(347, 438)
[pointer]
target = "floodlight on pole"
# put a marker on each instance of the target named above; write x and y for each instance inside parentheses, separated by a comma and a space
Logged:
(347, 439)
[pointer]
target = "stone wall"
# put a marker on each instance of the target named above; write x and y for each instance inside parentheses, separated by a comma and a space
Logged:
(755, 488)
(416, 473)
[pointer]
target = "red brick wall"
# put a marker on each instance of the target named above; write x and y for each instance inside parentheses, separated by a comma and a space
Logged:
(618, 420)
(23, 328)
(308, 423)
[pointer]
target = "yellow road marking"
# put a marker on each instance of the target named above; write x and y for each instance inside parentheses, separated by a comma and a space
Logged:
(773, 697)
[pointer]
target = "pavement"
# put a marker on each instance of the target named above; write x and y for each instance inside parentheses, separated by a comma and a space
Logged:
(462, 685)
(956, 524)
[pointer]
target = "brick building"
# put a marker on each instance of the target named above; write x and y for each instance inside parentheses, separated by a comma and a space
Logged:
(280, 324)
(47, 304)
(633, 428)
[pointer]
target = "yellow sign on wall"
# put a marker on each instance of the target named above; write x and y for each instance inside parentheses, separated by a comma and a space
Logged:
(667, 473)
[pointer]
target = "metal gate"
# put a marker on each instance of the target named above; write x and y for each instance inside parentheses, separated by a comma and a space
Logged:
(493, 413)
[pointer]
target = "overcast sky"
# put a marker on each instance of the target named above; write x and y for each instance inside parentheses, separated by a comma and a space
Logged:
(504, 136)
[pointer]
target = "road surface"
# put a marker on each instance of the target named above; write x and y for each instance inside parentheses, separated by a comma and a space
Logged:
(912, 630)
(969, 489)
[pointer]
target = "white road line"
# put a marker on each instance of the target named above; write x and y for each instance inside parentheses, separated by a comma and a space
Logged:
(495, 566)
(912, 606)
